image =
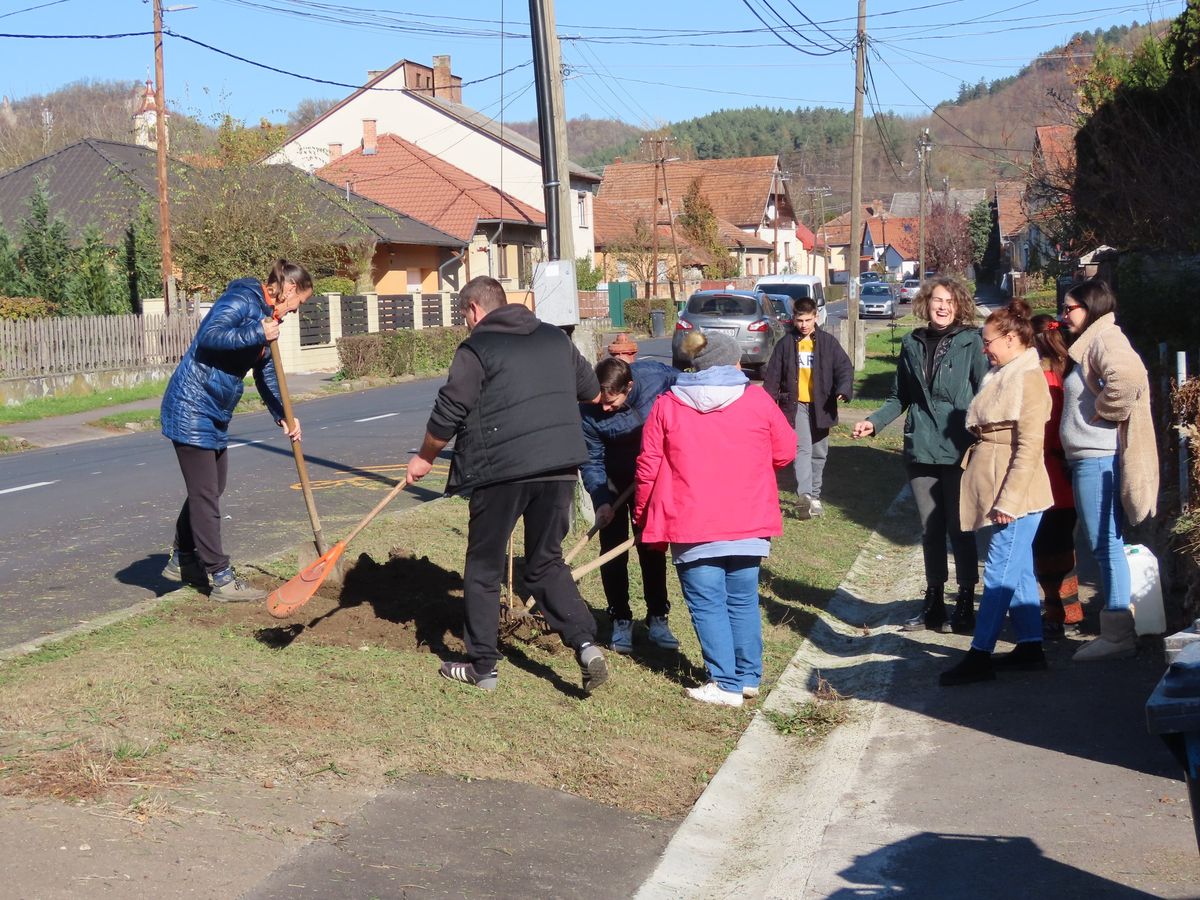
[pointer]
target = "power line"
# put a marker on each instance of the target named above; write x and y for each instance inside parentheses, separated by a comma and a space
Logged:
(754, 12)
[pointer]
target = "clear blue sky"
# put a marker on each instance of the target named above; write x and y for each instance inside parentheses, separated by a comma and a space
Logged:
(643, 61)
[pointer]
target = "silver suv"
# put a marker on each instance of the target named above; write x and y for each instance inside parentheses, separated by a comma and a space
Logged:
(746, 316)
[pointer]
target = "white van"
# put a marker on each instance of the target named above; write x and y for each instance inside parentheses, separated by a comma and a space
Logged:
(794, 287)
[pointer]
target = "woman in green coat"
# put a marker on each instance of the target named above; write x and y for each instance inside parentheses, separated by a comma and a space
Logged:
(940, 369)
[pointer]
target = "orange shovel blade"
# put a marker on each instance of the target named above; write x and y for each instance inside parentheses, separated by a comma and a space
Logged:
(289, 597)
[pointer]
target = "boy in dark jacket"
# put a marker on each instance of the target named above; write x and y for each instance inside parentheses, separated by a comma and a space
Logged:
(612, 431)
(807, 375)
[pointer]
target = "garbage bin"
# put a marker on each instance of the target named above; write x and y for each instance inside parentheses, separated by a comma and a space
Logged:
(1173, 713)
(658, 323)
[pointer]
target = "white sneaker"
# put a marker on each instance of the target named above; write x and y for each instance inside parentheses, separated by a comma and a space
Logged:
(750, 693)
(622, 636)
(712, 693)
(660, 633)
(814, 507)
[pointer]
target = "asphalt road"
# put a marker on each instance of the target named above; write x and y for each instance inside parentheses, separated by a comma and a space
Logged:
(87, 527)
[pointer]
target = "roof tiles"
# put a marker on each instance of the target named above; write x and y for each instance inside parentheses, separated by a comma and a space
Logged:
(404, 177)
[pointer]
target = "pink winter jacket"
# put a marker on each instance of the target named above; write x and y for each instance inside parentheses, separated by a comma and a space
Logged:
(710, 475)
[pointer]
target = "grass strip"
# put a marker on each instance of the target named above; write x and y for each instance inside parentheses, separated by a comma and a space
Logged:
(65, 405)
(348, 690)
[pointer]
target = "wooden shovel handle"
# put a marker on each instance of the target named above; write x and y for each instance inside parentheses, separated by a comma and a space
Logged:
(297, 450)
(621, 500)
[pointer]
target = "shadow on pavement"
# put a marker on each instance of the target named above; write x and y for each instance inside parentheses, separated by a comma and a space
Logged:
(966, 865)
(147, 573)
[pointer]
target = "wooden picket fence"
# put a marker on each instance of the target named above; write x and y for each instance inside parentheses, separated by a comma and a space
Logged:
(56, 346)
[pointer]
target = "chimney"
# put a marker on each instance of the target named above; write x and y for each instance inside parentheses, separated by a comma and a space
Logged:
(443, 83)
(369, 143)
(335, 150)
(372, 74)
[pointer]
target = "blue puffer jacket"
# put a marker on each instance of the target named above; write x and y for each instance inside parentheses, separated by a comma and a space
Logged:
(207, 383)
(614, 439)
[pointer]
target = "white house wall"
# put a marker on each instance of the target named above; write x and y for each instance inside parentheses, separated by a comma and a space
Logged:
(475, 152)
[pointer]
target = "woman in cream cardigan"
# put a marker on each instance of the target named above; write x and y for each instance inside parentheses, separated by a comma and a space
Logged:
(1108, 435)
(1004, 492)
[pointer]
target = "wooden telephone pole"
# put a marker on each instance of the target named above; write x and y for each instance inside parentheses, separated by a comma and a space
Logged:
(160, 128)
(854, 250)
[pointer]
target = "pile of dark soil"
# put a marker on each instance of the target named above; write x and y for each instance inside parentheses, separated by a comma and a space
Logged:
(407, 604)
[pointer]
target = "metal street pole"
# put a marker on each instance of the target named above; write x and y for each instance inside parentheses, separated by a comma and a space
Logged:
(854, 249)
(160, 128)
(671, 220)
(924, 144)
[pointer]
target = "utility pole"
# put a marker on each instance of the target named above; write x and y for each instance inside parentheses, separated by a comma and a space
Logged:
(819, 193)
(671, 220)
(854, 249)
(556, 167)
(160, 128)
(653, 290)
(924, 145)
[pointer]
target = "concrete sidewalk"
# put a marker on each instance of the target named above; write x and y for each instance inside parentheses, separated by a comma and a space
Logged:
(58, 431)
(1039, 784)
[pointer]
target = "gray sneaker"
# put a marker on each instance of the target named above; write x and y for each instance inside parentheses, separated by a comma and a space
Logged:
(184, 568)
(593, 666)
(803, 507)
(228, 588)
(814, 507)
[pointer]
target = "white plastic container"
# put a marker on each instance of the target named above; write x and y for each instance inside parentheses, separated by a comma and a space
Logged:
(1145, 590)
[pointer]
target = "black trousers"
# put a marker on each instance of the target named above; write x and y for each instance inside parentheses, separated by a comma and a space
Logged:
(198, 528)
(545, 507)
(936, 491)
(615, 573)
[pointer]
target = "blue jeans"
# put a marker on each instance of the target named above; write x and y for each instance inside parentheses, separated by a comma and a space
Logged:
(722, 596)
(1097, 485)
(1009, 585)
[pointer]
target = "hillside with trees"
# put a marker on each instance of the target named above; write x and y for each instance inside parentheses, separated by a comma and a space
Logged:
(983, 134)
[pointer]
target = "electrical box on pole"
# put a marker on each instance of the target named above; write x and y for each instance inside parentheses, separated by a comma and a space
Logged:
(563, 307)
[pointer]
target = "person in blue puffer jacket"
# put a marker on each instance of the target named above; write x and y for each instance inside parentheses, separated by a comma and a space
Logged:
(612, 431)
(198, 404)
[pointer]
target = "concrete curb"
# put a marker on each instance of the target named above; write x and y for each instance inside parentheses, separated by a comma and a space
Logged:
(756, 829)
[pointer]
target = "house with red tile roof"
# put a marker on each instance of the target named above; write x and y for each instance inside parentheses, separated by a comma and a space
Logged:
(879, 231)
(625, 245)
(423, 105)
(503, 233)
(747, 194)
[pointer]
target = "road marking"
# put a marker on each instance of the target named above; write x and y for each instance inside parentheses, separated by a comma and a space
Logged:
(242, 444)
(373, 418)
(26, 487)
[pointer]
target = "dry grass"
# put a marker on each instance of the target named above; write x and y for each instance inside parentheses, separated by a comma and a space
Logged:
(348, 690)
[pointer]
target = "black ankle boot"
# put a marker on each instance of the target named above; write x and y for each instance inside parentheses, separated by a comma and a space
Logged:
(1027, 656)
(975, 666)
(933, 612)
(963, 619)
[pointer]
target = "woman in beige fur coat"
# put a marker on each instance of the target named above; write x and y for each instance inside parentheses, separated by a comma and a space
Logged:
(1108, 436)
(1005, 489)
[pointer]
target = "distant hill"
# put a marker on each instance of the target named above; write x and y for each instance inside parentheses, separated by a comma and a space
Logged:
(590, 140)
(43, 123)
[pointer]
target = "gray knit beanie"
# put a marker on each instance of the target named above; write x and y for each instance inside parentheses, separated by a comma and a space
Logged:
(720, 350)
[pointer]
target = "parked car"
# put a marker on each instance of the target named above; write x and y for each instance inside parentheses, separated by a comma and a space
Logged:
(876, 300)
(748, 317)
(795, 287)
(908, 290)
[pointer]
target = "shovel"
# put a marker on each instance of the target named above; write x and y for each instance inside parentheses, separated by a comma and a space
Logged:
(289, 597)
(297, 450)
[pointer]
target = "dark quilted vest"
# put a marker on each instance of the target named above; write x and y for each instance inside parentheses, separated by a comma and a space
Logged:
(526, 422)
